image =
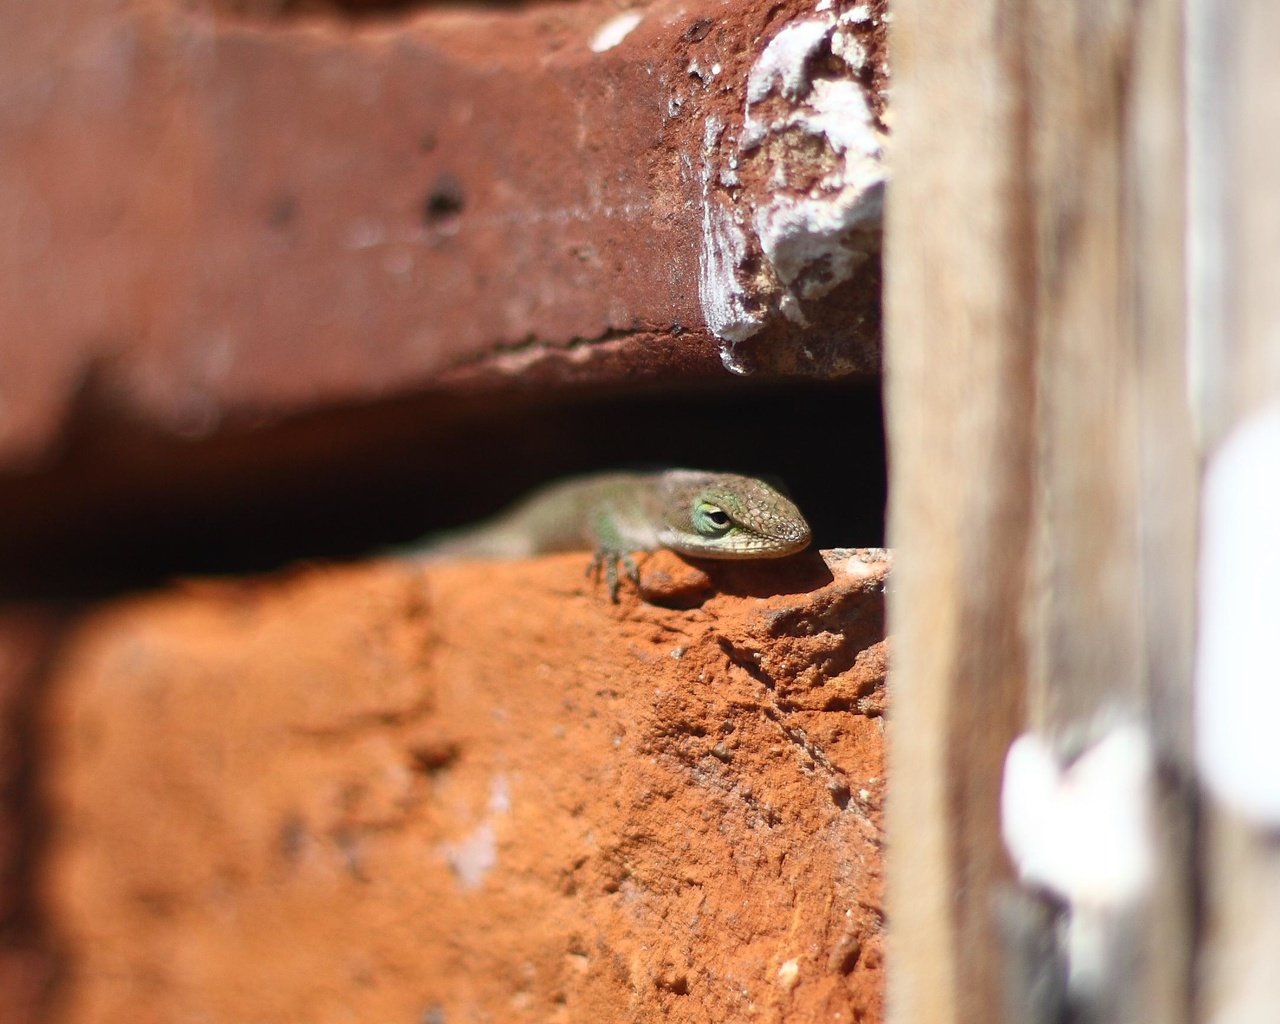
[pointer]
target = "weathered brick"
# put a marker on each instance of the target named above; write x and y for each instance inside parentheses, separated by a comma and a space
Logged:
(474, 792)
(208, 218)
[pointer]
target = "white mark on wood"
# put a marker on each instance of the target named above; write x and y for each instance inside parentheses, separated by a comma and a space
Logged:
(1237, 686)
(616, 29)
(1083, 830)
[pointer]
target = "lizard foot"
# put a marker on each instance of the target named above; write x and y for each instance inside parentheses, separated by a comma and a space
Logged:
(609, 561)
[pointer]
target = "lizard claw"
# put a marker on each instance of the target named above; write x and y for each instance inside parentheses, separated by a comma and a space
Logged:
(609, 561)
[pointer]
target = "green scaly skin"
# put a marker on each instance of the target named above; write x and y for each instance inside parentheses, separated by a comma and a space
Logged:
(691, 512)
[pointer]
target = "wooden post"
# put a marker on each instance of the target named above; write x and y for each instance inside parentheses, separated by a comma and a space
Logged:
(959, 400)
(1234, 239)
(1043, 488)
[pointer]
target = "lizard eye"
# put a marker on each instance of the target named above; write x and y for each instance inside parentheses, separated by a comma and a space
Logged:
(711, 518)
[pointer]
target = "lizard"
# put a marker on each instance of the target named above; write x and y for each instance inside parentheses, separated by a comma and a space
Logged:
(691, 512)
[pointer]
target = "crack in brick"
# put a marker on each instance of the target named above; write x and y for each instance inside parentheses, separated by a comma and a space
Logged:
(368, 720)
(837, 781)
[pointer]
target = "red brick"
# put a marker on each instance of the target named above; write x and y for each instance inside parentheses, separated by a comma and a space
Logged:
(207, 219)
(474, 792)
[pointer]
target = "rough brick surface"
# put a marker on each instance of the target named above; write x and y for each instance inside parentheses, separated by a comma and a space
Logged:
(474, 793)
(208, 218)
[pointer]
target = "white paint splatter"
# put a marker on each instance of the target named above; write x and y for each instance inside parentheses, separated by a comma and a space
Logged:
(800, 234)
(812, 235)
(1237, 687)
(1085, 832)
(724, 246)
(616, 29)
(472, 857)
(782, 64)
(1082, 831)
(499, 795)
(704, 75)
(850, 50)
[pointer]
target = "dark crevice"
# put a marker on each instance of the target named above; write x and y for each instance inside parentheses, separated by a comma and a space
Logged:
(434, 757)
(747, 661)
(444, 202)
(800, 739)
(855, 621)
(857, 705)
(373, 721)
(129, 507)
(533, 343)
(31, 636)
(777, 712)
(677, 985)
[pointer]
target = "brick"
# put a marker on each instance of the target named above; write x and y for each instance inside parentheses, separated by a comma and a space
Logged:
(474, 792)
(212, 219)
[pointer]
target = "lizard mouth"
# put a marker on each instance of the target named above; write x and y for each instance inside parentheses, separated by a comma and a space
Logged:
(741, 547)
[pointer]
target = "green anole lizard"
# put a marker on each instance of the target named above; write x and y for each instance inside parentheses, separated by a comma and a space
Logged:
(691, 512)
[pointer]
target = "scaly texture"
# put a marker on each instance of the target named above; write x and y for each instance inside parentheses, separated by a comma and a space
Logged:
(691, 512)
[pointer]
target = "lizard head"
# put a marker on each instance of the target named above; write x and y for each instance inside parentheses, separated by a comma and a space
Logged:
(722, 515)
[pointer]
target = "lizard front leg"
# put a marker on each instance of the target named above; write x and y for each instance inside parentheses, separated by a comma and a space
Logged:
(609, 560)
(610, 550)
